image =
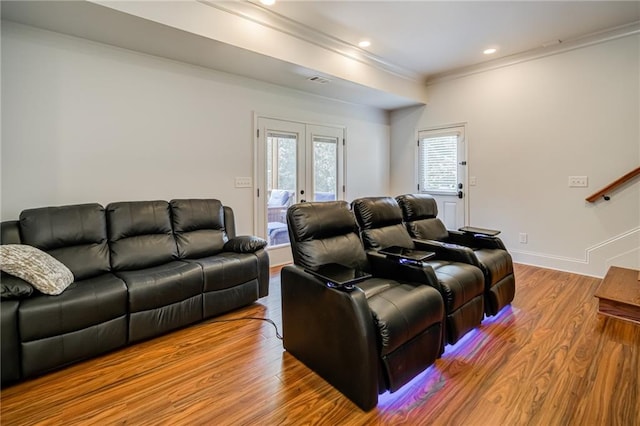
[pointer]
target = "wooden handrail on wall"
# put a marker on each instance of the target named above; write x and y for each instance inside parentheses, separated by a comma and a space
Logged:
(613, 185)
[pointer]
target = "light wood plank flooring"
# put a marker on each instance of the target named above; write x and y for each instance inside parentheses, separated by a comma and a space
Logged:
(549, 359)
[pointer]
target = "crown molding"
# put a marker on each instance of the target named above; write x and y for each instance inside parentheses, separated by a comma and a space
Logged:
(268, 18)
(548, 49)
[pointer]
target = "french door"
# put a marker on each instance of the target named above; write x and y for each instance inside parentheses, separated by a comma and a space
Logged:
(442, 172)
(296, 163)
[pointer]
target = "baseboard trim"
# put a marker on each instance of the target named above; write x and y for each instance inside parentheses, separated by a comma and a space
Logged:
(596, 260)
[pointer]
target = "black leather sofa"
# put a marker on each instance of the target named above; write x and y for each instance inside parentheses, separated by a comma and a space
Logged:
(140, 269)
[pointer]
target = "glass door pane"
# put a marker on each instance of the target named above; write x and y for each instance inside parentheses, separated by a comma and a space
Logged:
(325, 168)
(281, 155)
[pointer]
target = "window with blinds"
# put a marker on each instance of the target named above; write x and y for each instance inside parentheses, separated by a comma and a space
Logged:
(438, 162)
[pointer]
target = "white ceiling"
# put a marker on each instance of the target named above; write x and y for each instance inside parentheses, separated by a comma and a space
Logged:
(412, 41)
(435, 37)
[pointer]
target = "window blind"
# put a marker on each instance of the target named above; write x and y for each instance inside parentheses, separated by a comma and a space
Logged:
(438, 163)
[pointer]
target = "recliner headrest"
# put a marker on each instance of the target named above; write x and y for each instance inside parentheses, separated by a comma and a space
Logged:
(320, 220)
(376, 212)
(417, 206)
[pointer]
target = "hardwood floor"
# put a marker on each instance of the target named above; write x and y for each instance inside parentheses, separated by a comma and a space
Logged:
(549, 359)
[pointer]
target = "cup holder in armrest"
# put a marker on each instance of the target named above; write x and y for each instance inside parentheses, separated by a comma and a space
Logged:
(339, 276)
(406, 255)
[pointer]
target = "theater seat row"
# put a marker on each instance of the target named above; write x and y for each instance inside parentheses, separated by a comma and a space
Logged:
(379, 333)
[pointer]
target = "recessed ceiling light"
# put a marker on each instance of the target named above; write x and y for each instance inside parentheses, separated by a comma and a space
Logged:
(318, 79)
(364, 43)
(490, 51)
(268, 2)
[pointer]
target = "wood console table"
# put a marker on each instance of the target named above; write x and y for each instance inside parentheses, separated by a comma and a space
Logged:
(619, 294)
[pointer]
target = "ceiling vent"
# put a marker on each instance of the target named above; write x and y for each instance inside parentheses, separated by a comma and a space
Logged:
(318, 79)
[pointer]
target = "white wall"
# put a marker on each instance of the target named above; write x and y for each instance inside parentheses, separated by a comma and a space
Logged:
(87, 122)
(529, 127)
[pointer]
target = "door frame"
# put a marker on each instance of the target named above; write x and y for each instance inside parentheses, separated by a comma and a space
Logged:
(465, 150)
(280, 255)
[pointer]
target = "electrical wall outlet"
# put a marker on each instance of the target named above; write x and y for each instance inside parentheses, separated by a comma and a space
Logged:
(578, 181)
(523, 238)
(243, 182)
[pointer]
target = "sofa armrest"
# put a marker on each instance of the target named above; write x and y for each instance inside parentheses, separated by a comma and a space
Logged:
(332, 332)
(245, 244)
(14, 287)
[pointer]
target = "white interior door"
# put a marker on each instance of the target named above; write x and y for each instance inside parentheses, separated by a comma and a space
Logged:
(442, 172)
(296, 162)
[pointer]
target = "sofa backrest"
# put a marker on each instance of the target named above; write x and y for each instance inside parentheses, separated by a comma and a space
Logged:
(420, 213)
(199, 227)
(380, 222)
(140, 234)
(76, 235)
(325, 232)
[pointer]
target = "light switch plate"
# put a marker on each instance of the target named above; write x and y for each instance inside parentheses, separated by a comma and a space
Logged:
(578, 181)
(243, 182)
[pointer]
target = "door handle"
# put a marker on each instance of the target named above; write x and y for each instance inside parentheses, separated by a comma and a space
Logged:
(303, 201)
(460, 194)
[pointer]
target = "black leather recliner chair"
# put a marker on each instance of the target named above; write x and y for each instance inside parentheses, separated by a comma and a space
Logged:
(373, 337)
(486, 252)
(461, 285)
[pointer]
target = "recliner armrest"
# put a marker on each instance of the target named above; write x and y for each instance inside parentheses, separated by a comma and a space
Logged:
(384, 267)
(449, 251)
(476, 240)
(332, 332)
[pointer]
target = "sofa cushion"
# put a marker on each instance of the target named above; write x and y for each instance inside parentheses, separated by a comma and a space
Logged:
(199, 227)
(227, 269)
(140, 234)
(76, 235)
(84, 304)
(162, 285)
(36, 267)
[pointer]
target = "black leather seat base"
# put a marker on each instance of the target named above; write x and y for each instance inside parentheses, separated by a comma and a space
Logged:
(163, 298)
(497, 262)
(53, 352)
(460, 282)
(401, 311)
(221, 301)
(462, 320)
(501, 294)
(462, 289)
(408, 361)
(151, 323)
(87, 319)
(405, 315)
(83, 304)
